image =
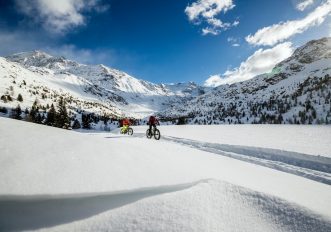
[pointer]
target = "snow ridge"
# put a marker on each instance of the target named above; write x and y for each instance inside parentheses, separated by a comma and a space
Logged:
(111, 182)
(70, 207)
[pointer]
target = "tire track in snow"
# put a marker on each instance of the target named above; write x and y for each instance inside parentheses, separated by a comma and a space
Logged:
(315, 168)
(40, 211)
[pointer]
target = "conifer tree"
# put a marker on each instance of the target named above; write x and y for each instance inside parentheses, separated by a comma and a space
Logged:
(39, 118)
(19, 98)
(33, 112)
(16, 113)
(62, 118)
(86, 120)
(51, 114)
(76, 124)
(4, 98)
(3, 110)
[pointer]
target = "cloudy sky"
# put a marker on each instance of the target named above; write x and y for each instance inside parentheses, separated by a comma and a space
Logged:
(210, 42)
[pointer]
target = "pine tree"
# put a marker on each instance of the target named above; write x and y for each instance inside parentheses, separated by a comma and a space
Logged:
(16, 113)
(33, 112)
(181, 121)
(62, 118)
(76, 124)
(86, 120)
(39, 118)
(313, 113)
(3, 110)
(280, 119)
(51, 114)
(19, 98)
(4, 98)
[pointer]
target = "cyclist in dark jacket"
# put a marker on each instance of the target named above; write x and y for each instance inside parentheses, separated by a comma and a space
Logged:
(152, 122)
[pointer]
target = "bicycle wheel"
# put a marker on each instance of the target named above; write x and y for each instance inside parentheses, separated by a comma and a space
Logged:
(130, 131)
(148, 134)
(157, 134)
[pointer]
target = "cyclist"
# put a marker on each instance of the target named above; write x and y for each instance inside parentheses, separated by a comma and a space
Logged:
(152, 122)
(126, 123)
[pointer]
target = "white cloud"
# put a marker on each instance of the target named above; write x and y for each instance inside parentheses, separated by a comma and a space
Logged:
(279, 32)
(235, 42)
(210, 30)
(215, 22)
(213, 81)
(61, 15)
(262, 61)
(304, 4)
(235, 23)
(206, 11)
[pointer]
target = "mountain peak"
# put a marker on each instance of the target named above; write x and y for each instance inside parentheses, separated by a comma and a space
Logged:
(41, 59)
(313, 50)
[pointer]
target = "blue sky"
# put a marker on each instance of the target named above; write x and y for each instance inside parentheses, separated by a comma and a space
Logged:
(166, 41)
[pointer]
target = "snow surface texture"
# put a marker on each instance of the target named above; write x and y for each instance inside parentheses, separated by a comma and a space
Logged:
(312, 140)
(57, 180)
(262, 145)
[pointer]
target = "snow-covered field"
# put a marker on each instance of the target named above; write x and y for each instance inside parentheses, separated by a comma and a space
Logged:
(196, 178)
(313, 140)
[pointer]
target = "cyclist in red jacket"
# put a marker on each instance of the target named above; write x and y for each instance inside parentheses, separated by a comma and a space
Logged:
(126, 123)
(152, 122)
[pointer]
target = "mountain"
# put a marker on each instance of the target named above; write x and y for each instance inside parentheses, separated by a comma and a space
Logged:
(298, 90)
(88, 88)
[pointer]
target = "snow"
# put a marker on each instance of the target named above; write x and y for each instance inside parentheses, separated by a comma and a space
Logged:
(39, 80)
(69, 181)
(88, 83)
(238, 210)
(233, 103)
(312, 140)
(104, 90)
(196, 178)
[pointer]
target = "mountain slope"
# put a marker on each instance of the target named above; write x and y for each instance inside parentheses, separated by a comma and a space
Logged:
(92, 88)
(298, 90)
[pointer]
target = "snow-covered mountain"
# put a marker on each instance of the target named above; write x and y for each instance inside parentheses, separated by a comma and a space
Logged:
(94, 88)
(298, 90)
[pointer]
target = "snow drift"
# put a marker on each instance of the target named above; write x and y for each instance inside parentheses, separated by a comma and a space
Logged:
(58, 180)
